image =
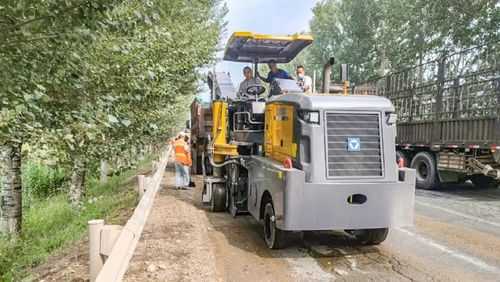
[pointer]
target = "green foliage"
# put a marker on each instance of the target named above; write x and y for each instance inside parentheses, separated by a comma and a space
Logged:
(52, 223)
(375, 37)
(41, 180)
(101, 79)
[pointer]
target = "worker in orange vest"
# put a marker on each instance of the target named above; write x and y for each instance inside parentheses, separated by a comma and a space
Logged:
(182, 162)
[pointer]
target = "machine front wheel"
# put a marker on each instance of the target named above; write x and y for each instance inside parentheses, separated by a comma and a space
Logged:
(274, 237)
(370, 236)
(218, 200)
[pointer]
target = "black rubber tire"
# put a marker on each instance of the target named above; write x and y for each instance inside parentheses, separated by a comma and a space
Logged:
(399, 155)
(483, 181)
(426, 173)
(218, 200)
(371, 236)
(274, 237)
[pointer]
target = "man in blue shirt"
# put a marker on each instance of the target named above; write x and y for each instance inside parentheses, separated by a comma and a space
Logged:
(274, 72)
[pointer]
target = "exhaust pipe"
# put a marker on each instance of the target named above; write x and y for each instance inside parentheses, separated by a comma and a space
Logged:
(327, 72)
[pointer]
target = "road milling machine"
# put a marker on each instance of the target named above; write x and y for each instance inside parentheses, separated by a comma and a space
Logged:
(303, 162)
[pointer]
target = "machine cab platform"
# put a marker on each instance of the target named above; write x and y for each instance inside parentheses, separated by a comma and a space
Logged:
(248, 47)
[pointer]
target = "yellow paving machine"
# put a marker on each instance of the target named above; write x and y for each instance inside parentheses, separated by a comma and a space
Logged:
(303, 162)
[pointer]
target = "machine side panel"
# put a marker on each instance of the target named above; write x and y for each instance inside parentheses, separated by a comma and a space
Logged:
(265, 175)
(220, 132)
(279, 132)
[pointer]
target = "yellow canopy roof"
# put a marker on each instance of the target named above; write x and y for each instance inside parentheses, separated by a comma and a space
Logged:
(261, 48)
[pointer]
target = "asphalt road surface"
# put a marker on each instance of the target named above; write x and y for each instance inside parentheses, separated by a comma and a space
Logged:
(456, 237)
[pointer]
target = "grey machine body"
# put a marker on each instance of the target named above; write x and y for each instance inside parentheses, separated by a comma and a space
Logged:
(332, 190)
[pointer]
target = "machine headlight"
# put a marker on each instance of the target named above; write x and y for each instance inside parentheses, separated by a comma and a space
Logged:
(309, 116)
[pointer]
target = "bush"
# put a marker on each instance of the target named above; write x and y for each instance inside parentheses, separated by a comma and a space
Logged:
(52, 223)
(42, 181)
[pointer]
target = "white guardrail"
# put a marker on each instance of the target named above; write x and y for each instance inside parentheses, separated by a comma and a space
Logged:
(112, 246)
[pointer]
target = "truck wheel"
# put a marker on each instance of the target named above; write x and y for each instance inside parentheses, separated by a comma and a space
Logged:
(274, 237)
(426, 173)
(218, 200)
(370, 236)
(483, 181)
(400, 155)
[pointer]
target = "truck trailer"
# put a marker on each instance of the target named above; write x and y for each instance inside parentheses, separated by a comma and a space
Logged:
(448, 116)
(303, 162)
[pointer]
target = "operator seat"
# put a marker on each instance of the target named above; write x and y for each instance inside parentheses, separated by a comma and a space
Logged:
(246, 116)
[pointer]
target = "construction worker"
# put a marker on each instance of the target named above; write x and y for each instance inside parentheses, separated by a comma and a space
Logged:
(182, 162)
(303, 81)
(189, 162)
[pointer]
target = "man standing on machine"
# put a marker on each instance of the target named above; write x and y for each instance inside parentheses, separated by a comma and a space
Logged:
(274, 72)
(303, 81)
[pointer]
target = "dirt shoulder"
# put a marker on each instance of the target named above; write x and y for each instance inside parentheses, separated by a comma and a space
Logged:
(182, 241)
(173, 246)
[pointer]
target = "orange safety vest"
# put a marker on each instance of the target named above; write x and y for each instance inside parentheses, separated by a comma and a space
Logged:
(181, 155)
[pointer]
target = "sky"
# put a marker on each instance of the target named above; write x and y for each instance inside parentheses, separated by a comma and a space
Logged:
(279, 17)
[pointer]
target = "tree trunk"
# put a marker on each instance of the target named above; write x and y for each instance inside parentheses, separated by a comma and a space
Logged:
(104, 172)
(77, 186)
(11, 189)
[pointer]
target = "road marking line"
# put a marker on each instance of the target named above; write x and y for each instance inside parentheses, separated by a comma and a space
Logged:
(478, 219)
(469, 259)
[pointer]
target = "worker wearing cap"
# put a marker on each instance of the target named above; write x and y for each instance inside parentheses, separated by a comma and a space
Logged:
(182, 162)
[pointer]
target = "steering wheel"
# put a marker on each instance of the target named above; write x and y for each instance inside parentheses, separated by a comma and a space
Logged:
(256, 90)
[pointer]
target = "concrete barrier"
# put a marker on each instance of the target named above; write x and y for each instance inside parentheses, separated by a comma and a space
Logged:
(110, 246)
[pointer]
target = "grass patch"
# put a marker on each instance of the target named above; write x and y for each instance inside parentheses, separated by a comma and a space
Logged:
(51, 223)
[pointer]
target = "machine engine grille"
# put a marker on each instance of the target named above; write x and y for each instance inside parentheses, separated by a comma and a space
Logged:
(362, 157)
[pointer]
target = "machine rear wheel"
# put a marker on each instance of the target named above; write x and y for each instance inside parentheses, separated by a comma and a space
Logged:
(483, 181)
(426, 172)
(370, 236)
(274, 237)
(218, 200)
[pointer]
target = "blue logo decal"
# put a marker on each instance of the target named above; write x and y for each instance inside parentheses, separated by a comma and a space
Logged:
(353, 144)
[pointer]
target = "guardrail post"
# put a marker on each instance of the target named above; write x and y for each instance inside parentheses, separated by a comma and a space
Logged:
(141, 184)
(95, 259)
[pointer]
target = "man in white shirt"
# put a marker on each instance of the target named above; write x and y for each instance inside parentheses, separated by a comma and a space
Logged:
(304, 81)
(249, 81)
